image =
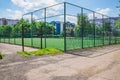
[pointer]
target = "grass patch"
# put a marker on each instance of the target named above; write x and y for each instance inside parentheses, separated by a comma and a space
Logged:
(46, 51)
(26, 54)
(1, 55)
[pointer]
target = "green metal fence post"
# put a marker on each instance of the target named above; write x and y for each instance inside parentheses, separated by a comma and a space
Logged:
(45, 25)
(103, 27)
(115, 38)
(41, 37)
(4, 36)
(82, 27)
(65, 26)
(0, 38)
(14, 35)
(94, 27)
(110, 32)
(22, 36)
(9, 37)
(31, 29)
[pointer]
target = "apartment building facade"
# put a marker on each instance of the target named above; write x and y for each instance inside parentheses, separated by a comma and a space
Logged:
(4, 21)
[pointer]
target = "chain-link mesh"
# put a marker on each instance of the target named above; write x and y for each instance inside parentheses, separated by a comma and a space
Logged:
(64, 26)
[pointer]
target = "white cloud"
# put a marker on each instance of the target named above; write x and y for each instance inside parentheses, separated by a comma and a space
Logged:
(104, 11)
(14, 14)
(8, 10)
(20, 3)
(30, 5)
(28, 17)
(98, 9)
(71, 19)
(90, 15)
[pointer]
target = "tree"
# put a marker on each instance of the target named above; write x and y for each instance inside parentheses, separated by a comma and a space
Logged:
(7, 30)
(116, 28)
(46, 28)
(107, 27)
(1, 31)
(99, 30)
(117, 23)
(83, 22)
(30, 29)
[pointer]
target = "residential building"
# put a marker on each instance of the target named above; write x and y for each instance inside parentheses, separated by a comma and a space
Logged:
(4, 21)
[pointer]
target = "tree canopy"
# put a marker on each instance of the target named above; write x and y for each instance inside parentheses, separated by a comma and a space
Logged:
(29, 27)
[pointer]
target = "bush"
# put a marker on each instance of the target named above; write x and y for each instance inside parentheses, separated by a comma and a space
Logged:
(1, 55)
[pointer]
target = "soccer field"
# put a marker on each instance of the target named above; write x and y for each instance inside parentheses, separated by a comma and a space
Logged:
(71, 43)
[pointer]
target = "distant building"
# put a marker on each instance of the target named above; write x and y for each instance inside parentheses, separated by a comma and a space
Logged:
(4, 21)
(59, 26)
(98, 21)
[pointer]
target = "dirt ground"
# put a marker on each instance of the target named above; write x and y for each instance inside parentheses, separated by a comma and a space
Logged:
(101, 63)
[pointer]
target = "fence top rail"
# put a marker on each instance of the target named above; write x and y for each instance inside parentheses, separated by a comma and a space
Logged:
(87, 9)
(65, 3)
(43, 8)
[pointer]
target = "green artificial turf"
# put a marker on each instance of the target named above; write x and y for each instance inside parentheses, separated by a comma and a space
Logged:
(58, 43)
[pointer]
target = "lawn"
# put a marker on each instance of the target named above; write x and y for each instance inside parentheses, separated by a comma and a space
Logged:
(58, 43)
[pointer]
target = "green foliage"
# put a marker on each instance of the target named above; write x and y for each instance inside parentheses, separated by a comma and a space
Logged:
(117, 23)
(1, 55)
(82, 21)
(46, 51)
(5, 29)
(117, 28)
(29, 29)
(107, 26)
(88, 27)
(77, 31)
(26, 54)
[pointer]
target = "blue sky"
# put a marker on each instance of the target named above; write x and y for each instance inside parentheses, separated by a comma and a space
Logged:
(15, 8)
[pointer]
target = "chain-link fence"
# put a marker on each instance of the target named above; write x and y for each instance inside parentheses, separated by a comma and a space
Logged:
(64, 26)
